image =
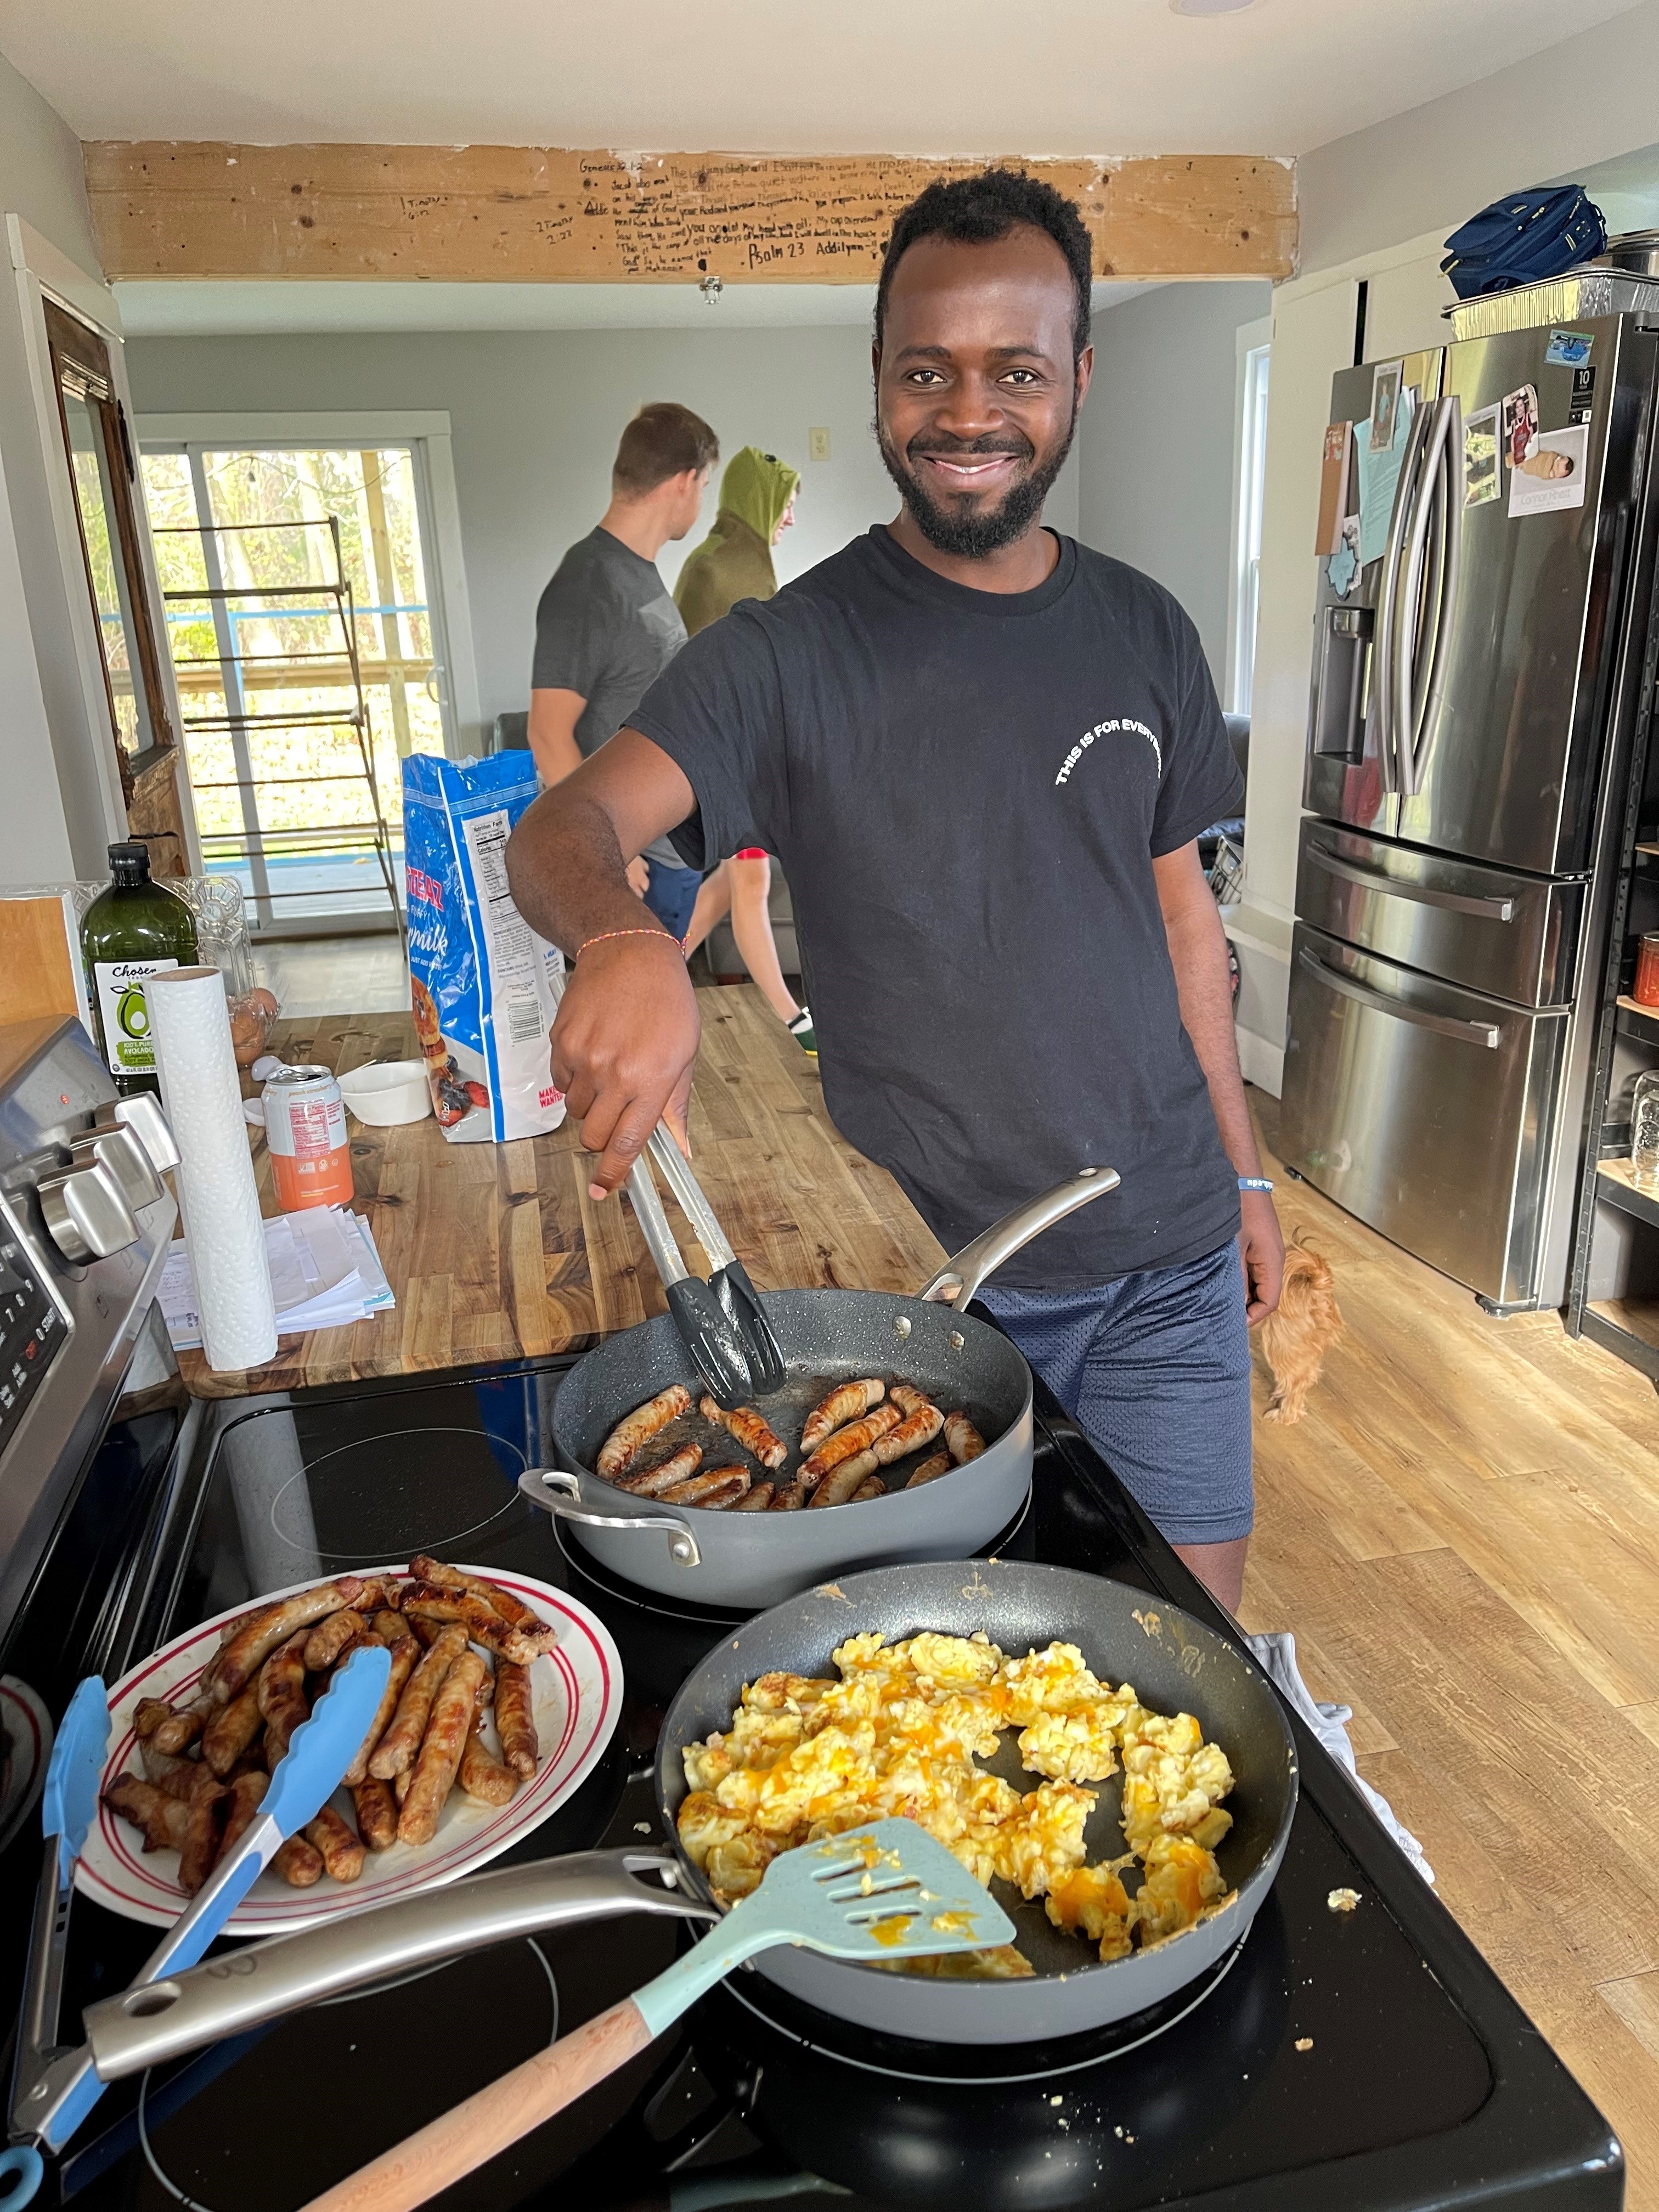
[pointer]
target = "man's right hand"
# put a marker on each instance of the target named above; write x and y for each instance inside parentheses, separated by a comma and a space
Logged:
(623, 1047)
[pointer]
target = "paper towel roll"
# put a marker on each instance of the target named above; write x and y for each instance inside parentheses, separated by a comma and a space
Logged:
(190, 1027)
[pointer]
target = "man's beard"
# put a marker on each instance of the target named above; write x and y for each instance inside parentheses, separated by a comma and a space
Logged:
(952, 526)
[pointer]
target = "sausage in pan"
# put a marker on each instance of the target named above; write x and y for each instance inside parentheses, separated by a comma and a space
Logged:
(242, 1800)
(377, 1814)
(930, 1469)
(715, 1485)
(397, 1750)
(632, 1435)
(232, 1728)
(871, 1487)
(342, 1854)
(844, 1403)
(512, 1609)
(756, 1500)
(652, 1481)
(908, 1399)
(787, 1498)
(422, 1602)
(282, 1696)
(515, 1721)
(848, 1443)
(837, 1486)
(750, 1429)
(915, 1431)
(440, 1751)
(964, 1439)
(255, 1643)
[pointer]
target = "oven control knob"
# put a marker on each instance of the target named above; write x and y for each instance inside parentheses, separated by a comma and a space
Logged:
(143, 1116)
(87, 1214)
(123, 1153)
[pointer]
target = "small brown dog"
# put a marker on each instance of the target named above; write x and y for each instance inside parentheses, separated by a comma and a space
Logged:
(1300, 1331)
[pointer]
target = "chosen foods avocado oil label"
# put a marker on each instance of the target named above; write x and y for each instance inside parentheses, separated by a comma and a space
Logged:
(125, 1016)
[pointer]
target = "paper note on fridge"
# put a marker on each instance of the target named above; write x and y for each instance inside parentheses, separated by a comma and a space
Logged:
(1379, 476)
(1332, 488)
(1555, 474)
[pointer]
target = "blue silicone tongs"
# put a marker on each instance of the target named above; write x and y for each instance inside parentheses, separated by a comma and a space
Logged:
(55, 2086)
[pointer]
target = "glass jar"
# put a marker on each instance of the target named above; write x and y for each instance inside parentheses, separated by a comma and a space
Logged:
(1644, 1132)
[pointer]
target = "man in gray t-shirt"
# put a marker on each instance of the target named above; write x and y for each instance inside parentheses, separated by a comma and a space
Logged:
(606, 627)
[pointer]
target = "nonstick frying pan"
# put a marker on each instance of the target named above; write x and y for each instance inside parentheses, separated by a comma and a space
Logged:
(1175, 1665)
(745, 1560)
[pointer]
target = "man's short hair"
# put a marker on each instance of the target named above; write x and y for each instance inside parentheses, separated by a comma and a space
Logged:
(663, 440)
(977, 211)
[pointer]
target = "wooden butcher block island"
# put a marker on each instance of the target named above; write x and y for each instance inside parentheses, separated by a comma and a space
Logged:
(496, 1252)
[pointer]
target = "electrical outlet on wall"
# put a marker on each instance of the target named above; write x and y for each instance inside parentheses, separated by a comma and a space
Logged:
(818, 444)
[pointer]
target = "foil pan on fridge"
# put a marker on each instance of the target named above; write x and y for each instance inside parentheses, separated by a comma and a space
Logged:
(1573, 298)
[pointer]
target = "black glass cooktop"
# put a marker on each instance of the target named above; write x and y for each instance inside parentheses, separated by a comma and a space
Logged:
(1333, 2060)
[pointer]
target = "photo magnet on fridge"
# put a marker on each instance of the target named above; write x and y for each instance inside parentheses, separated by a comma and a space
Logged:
(1555, 474)
(1568, 349)
(1332, 488)
(1482, 479)
(1520, 425)
(1342, 569)
(1385, 402)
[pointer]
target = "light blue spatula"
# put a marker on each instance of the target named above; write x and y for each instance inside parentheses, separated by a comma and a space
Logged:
(876, 1894)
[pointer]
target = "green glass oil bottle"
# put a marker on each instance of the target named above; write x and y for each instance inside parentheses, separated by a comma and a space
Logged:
(131, 932)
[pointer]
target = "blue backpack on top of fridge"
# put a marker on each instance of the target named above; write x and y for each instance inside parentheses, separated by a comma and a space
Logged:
(1524, 238)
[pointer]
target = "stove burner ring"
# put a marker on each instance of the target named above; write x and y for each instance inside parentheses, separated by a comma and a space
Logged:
(302, 1502)
(1044, 2071)
(193, 2203)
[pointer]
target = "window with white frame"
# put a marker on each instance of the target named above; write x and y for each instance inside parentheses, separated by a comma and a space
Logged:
(1250, 464)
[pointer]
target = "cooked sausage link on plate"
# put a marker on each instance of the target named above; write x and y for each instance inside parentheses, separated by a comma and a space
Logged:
(652, 1481)
(750, 1429)
(844, 1403)
(915, 1431)
(422, 1602)
(632, 1434)
(964, 1439)
(161, 1767)
(715, 1485)
(440, 1750)
(377, 1814)
(183, 1723)
(242, 1657)
(148, 1716)
(512, 1610)
(329, 1637)
(930, 1469)
(162, 1819)
(848, 1443)
(756, 1499)
(201, 1844)
(837, 1486)
(342, 1853)
(406, 1655)
(515, 1720)
(232, 1728)
(282, 1696)
(399, 1747)
(482, 1777)
(242, 1800)
(299, 1864)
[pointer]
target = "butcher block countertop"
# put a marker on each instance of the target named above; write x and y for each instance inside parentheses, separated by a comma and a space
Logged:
(496, 1252)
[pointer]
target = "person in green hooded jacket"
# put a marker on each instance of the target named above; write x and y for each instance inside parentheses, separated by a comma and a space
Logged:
(734, 563)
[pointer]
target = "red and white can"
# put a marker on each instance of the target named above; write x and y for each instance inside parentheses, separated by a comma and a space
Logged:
(306, 1133)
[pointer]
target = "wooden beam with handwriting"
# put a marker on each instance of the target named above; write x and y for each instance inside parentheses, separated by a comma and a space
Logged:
(528, 214)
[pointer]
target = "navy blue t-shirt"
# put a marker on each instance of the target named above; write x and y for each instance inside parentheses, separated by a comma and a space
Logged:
(967, 790)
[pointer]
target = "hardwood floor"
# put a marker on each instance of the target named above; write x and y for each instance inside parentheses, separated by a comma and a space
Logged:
(1463, 1534)
(334, 976)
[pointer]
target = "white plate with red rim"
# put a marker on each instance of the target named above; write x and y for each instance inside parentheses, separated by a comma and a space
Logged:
(575, 1692)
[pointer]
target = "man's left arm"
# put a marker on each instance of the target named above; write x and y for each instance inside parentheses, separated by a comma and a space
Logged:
(1198, 952)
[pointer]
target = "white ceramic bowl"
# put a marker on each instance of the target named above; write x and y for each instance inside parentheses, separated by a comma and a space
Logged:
(388, 1093)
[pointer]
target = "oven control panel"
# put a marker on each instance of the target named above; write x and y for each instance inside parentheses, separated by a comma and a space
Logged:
(30, 1332)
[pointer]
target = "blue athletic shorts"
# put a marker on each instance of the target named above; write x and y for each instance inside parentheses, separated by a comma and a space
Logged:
(1154, 1370)
(672, 895)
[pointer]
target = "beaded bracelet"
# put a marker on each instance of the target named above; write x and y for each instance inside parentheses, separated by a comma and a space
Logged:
(605, 935)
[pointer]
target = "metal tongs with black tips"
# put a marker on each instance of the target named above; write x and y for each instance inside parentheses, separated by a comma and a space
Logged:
(722, 1322)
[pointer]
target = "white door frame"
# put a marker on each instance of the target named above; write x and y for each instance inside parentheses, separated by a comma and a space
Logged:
(41, 272)
(427, 433)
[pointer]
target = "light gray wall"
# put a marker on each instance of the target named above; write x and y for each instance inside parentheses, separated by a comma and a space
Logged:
(1155, 445)
(535, 417)
(1582, 101)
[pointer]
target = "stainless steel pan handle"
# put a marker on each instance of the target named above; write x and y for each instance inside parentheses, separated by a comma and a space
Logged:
(560, 1494)
(245, 1988)
(1481, 1033)
(1376, 879)
(959, 1278)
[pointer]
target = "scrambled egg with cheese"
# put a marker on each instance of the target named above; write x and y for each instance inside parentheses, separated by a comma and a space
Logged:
(899, 1732)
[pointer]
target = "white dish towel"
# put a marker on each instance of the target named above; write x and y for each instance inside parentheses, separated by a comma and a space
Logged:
(1276, 1656)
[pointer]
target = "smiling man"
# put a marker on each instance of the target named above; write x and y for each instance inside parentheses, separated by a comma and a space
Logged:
(984, 754)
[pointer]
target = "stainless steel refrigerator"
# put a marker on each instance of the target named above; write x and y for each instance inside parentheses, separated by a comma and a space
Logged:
(1476, 687)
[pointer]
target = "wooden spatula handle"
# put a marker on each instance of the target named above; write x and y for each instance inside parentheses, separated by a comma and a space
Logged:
(464, 2138)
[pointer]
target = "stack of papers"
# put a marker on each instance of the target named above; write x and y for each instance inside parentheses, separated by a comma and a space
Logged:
(324, 1274)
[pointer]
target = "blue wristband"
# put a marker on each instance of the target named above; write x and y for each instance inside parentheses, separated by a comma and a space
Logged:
(1253, 1182)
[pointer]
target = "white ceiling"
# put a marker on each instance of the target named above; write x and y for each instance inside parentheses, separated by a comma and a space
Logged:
(209, 308)
(1053, 76)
